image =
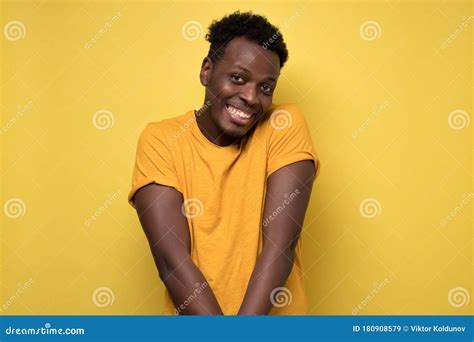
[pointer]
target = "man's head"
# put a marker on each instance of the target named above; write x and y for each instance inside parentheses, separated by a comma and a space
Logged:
(241, 71)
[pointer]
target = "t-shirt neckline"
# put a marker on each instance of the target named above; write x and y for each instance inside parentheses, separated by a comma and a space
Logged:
(203, 138)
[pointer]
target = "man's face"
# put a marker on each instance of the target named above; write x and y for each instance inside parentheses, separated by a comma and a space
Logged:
(240, 86)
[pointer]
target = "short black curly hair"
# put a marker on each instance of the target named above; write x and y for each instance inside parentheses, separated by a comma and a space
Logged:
(254, 27)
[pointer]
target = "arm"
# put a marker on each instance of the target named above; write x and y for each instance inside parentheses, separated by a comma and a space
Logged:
(167, 231)
(280, 235)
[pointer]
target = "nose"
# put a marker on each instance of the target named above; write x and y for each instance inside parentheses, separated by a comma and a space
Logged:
(249, 95)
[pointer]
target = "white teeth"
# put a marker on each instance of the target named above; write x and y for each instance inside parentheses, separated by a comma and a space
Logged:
(238, 112)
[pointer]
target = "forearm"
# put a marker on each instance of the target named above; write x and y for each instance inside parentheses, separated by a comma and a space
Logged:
(271, 271)
(189, 290)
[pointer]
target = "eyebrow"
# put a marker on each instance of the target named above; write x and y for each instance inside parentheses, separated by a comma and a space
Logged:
(247, 70)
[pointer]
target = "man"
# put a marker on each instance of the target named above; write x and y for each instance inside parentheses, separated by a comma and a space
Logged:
(222, 192)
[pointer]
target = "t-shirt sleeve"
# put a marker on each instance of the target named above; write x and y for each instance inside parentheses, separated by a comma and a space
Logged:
(289, 139)
(153, 162)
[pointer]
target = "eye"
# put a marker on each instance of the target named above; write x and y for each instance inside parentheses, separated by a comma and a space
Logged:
(267, 89)
(236, 78)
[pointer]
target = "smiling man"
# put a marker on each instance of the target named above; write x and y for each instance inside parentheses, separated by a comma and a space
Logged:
(221, 192)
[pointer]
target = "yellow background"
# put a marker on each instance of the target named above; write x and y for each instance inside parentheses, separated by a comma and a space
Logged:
(378, 112)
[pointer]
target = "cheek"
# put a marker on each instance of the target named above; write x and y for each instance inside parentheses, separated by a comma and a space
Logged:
(266, 102)
(226, 89)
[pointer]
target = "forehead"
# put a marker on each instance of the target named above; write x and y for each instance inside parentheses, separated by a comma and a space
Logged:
(250, 55)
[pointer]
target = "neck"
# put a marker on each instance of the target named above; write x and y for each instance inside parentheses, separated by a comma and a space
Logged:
(210, 130)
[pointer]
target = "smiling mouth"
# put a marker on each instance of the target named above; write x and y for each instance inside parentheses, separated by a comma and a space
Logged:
(238, 114)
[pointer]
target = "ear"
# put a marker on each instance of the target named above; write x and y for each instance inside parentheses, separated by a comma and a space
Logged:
(206, 71)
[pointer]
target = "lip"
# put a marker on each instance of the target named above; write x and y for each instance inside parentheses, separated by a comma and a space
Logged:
(238, 120)
(242, 108)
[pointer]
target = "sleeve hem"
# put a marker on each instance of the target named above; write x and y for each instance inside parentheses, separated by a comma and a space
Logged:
(293, 159)
(160, 181)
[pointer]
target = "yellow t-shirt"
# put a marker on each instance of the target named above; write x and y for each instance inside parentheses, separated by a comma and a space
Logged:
(224, 190)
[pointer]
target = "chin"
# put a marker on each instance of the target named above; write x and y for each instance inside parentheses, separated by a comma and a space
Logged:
(234, 133)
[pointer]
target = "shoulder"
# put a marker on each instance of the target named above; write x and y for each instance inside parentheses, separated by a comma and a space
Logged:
(290, 110)
(168, 128)
(279, 117)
